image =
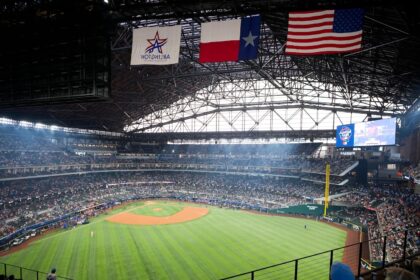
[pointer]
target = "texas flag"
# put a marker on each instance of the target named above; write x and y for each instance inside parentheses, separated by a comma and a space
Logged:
(230, 40)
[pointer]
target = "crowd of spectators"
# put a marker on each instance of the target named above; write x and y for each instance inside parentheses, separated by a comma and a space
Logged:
(21, 153)
(412, 171)
(44, 158)
(18, 142)
(321, 178)
(27, 202)
(396, 209)
(337, 165)
(38, 158)
(359, 216)
(30, 163)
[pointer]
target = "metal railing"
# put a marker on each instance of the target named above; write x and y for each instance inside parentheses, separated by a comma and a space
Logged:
(392, 248)
(22, 273)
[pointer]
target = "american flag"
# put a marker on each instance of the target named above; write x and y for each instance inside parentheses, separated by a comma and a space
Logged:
(324, 32)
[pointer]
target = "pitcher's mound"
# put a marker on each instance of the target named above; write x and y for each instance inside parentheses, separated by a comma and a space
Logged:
(185, 215)
(157, 209)
(150, 202)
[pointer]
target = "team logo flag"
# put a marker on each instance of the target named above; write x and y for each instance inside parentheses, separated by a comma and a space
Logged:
(230, 40)
(156, 45)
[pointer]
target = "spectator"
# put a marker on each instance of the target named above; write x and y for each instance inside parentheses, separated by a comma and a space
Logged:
(397, 273)
(341, 271)
(52, 275)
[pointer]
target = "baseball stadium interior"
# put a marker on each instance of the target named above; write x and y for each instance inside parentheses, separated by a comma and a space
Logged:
(125, 155)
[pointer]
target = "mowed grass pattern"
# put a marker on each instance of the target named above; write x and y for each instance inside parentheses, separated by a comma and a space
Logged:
(220, 244)
(163, 209)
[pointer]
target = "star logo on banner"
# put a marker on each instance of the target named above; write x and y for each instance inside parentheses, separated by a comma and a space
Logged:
(249, 40)
(156, 43)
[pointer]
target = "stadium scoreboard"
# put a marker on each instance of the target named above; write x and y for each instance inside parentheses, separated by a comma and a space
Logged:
(366, 134)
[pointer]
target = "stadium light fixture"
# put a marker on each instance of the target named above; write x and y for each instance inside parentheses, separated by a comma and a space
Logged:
(41, 126)
(25, 124)
(7, 121)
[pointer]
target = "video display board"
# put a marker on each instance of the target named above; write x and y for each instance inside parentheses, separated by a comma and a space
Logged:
(373, 133)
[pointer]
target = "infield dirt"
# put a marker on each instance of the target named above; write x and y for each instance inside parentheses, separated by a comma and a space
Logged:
(185, 215)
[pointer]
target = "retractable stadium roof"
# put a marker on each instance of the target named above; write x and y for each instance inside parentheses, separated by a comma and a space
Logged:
(382, 79)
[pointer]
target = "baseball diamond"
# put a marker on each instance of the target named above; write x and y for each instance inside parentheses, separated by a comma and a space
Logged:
(212, 243)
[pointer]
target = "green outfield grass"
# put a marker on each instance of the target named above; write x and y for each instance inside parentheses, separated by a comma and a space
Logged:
(156, 209)
(220, 244)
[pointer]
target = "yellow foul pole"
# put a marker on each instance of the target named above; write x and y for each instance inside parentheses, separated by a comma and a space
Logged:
(327, 188)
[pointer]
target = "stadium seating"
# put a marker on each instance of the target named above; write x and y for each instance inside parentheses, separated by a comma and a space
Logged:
(395, 208)
(27, 154)
(32, 201)
(383, 210)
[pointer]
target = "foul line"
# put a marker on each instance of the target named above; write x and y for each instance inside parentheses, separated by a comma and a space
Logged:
(90, 224)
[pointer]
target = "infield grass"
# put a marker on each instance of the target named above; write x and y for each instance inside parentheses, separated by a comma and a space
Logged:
(168, 209)
(220, 244)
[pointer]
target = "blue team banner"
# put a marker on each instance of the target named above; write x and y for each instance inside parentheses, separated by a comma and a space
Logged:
(345, 136)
